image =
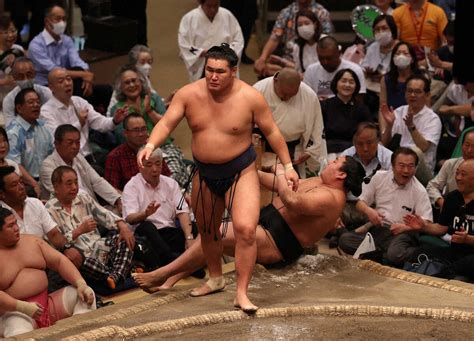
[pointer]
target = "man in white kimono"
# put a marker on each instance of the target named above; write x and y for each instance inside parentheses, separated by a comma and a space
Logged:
(204, 27)
(297, 113)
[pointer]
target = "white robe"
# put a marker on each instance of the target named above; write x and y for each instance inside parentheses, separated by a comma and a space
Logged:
(197, 34)
(298, 118)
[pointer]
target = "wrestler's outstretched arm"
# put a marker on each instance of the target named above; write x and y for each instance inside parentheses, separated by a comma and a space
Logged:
(165, 126)
(56, 261)
(264, 119)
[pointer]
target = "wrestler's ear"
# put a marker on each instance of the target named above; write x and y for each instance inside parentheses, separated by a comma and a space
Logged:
(341, 175)
(234, 71)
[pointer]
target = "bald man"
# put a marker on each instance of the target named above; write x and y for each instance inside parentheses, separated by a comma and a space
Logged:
(457, 220)
(64, 108)
(297, 113)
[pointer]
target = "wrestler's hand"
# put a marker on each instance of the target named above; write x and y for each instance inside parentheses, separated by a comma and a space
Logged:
(292, 176)
(74, 256)
(126, 235)
(143, 154)
(85, 292)
(33, 310)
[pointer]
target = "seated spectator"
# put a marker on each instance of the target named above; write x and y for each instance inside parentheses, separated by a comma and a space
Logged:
(121, 164)
(308, 31)
(456, 219)
(421, 24)
(30, 141)
(281, 40)
(202, 28)
(373, 156)
(393, 85)
(457, 105)
(368, 150)
(66, 153)
(64, 108)
(319, 75)
(395, 194)
(151, 204)
(19, 169)
(296, 111)
(443, 58)
(342, 113)
(23, 73)
(24, 301)
(445, 181)
(9, 51)
(30, 213)
(142, 57)
(133, 96)
(77, 215)
(376, 62)
(53, 49)
(415, 125)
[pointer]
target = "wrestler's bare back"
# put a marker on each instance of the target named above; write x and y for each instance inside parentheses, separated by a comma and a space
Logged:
(310, 228)
(22, 268)
(221, 126)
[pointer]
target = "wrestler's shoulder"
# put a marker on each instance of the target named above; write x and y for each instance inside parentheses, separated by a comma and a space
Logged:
(194, 88)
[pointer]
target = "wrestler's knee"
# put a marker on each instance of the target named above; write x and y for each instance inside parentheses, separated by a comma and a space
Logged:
(245, 233)
(15, 323)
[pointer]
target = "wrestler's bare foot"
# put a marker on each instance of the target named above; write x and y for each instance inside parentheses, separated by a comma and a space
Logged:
(148, 280)
(243, 303)
(214, 284)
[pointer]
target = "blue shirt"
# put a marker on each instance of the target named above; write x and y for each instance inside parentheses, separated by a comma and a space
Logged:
(29, 144)
(47, 54)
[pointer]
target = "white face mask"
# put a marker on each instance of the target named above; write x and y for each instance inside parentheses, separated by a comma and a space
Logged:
(384, 38)
(59, 27)
(25, 84)
(402, 61)
(145, 69)
(306, 32)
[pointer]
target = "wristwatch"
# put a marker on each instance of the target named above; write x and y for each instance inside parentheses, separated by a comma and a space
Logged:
(66, 246)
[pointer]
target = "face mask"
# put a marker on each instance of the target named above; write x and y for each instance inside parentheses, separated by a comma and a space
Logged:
(25, 84)
(59, 27)
(383, 38)
(402, 61)
(306, 32)
(451, 48)
(145, 69)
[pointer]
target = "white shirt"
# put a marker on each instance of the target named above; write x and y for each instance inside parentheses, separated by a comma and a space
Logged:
(9, 101)
(383, 158)
(394, 201)
(55, 113)
(376, 60)
(138, 193)
(445, 180)
(458, 95)
(320, 80)
(197, 34)
(36, 219)
(299, 118)
(428, 125)
(310, 56)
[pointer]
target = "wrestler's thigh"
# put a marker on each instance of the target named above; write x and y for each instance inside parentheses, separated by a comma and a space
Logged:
(246, 200)
(205, 204)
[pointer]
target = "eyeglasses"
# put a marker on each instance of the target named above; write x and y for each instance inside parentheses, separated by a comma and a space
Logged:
(12, 32)
(138, 130)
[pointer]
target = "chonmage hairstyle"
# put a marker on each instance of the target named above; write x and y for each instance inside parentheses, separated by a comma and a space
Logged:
(355, 175)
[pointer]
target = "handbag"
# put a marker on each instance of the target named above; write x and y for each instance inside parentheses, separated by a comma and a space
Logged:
(426, 266)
